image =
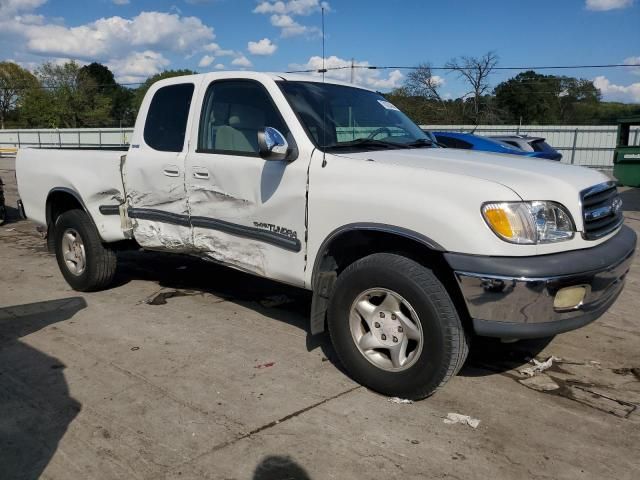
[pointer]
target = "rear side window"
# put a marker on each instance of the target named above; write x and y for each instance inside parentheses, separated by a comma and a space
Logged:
(541, 146)
(167, 118)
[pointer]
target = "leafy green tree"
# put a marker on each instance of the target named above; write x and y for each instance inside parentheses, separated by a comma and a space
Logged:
(122, 98)
(142, 89)
(68, 98)
(535, 98)
(15, 81)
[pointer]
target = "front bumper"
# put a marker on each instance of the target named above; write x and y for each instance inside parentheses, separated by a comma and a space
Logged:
(513, 297)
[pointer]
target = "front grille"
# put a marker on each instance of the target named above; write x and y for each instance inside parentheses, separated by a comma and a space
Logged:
(601, 210)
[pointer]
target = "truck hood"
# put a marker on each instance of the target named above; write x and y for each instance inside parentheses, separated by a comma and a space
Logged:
(531, 179)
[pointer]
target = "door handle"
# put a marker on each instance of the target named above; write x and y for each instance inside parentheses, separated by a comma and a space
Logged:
(171, 171)
(200, 173)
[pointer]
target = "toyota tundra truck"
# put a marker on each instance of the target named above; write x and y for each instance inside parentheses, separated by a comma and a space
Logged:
(410, 250)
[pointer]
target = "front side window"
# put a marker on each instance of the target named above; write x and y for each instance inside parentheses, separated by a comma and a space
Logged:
(167, 117)
(233, 113)
(337, 117)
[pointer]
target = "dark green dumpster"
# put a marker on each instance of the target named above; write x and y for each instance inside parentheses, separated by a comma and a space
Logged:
(626, 159)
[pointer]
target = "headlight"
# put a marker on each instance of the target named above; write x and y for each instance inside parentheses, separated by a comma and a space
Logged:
(529, 222)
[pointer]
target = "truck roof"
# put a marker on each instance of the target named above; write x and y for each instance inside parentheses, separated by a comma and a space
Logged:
(276, 76)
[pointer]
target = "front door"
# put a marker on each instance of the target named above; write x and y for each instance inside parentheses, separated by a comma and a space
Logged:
(154, 171)
(246, 212)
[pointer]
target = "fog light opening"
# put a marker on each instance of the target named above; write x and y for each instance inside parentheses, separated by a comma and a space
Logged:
(570, 298)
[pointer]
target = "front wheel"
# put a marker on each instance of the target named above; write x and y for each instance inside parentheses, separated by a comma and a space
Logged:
(86, 264)
(394, 327)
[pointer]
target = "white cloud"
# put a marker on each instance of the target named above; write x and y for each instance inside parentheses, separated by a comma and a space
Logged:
(633, 61)
(219, 66)
(289, 27)
(282, 13)
(217, 50)
(602, 5)
(206, 61)
(261, 47)
(115, 36)
(241, 61)
(619, 93)
(120, 2)
(30, 19)
(292, 7)
(137, 66)
(9, 8)
(361, 76)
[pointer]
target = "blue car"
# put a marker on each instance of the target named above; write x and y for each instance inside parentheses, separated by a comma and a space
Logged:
(469, 141)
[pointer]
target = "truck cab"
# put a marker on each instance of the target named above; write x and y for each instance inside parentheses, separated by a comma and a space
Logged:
(409, 249)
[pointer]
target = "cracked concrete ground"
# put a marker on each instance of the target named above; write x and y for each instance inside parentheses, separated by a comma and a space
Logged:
(189, 370)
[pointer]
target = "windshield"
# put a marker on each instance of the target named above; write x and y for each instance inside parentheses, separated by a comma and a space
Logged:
(341, 117)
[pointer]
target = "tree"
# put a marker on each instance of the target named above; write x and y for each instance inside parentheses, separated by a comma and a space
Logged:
(534, 98)
(142, 89)
(101, 75)
(476, 72)
(422, 83)
(68, 98)
(15, 81)
(122, 107)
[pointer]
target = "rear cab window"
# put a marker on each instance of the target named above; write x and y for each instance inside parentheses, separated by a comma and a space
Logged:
(166, 122)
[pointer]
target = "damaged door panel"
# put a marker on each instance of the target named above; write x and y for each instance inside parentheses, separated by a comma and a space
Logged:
(155, 171)
(246, 211)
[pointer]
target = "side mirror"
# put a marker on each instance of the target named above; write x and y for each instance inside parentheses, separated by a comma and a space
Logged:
(272, 144)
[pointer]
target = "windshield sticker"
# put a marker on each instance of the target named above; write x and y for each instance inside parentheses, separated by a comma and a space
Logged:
(388, 105)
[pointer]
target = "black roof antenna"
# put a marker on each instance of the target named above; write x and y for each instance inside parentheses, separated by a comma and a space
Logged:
(324, 102)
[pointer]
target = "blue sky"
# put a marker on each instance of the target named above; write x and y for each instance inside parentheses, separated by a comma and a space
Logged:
(138, 38)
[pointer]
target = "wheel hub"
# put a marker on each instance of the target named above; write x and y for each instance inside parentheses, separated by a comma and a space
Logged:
(73, 251)
(386, 329)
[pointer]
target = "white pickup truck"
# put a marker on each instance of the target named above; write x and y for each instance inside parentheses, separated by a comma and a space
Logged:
(409, 249)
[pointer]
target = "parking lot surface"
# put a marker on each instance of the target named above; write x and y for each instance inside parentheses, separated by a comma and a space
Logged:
(185, 369)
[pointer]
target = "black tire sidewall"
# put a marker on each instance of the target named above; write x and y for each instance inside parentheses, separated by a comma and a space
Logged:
(428, 300)
(79, 221)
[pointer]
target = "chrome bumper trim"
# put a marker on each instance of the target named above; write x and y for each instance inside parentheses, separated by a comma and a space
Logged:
(522, 300)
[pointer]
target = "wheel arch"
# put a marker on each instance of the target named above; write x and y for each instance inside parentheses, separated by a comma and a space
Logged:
(352, 242)
(61, 200)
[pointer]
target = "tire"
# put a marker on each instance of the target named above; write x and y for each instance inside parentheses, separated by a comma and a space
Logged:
(3, 214)
(426, 311)
(74, 232)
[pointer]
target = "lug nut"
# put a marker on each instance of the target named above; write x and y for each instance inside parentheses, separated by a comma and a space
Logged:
(377, 325)
(383, 336)
(395, 339)
(381, 314)
(400, 330)
(393, 317)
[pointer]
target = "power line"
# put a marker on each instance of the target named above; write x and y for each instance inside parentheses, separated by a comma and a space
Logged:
(402, 67)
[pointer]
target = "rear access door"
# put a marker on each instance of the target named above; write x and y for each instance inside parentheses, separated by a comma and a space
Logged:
(154, 170)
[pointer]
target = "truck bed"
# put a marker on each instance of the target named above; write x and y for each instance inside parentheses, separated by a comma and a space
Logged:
(91, 175)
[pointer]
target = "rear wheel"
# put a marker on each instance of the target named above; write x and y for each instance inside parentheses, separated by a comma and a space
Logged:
(85, 262)
(395, 328)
